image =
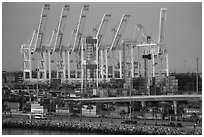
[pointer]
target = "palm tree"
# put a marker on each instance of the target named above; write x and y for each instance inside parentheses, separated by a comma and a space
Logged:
(155, 111)
(70, 104)
(133, 106)
(101, 107)
(180, 111)
(122, 114)
(165, 110)
(80, 105)
(59, 103)
(143, 111)
(111, 109)
(194, 118)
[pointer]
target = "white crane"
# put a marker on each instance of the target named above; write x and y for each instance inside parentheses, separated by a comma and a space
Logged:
(148, 43)
(27, 59)
(39, 47)
(155, 49)
(80, 28)
(58, 43)
(36, 46)
(116, 41)
(77, 33)
(100, 31)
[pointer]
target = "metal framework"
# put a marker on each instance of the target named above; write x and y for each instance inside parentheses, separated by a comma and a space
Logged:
(36, 46)
(116, 42)
(162, 50)
(89, 63)
(42, 51)
(100, 31)
(58, 45)
(77, 39)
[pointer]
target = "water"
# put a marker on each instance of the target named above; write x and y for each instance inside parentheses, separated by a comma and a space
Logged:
(17, 131)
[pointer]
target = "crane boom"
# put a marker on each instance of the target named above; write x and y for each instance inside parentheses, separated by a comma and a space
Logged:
(60, 29)
(162, 25)
(70, 46)
(102, 28)
(41, 28)
(144, 33)
(119, 32)
(161, 47)
(162, 50)
(80, 28)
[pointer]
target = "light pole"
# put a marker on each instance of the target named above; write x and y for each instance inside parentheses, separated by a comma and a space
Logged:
(28, 91)
(184, 66)
(37, 82)
(131, 87)
(197, 75)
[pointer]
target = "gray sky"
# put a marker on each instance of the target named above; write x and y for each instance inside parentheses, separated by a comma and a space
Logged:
(183, 27)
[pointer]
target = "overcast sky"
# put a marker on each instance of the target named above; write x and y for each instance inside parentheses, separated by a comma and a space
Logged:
(183, 27)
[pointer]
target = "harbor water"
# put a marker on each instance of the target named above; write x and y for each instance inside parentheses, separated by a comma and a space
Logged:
(19, 131)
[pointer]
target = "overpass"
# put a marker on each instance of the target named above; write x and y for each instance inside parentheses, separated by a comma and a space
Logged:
(192, 97)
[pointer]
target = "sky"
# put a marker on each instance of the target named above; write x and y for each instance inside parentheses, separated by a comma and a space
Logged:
(183, 27)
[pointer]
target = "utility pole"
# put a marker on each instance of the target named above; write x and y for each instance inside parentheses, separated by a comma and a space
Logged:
(184, 66)
(37, 82)
(197, 75)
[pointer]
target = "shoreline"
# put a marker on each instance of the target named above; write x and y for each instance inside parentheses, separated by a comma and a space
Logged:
(100, 129)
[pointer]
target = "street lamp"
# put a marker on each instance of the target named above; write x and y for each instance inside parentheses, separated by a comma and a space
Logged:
(37, 82)
(184, 66)
(27, 84)
(197, 75)
(131, 87)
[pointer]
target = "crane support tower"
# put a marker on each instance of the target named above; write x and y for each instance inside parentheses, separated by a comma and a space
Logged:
(100, 31)
(58, 44)
(26, 56)
(36, 46)
(78, 37)
(116, 41)
(148, 44)
(39, 47)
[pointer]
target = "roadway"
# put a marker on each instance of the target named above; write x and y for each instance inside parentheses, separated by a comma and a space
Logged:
(192, 97)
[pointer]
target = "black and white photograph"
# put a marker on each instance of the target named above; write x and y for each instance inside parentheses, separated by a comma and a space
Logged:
(101, 68)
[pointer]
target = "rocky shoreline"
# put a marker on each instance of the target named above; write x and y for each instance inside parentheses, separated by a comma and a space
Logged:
(102, 129)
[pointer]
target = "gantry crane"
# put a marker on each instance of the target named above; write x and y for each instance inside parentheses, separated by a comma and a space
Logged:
(58, 43)
(26, 56)
(39, 47)
(100, 31)
(116, 41)
(76, 47)
(36, 46)
(155, 49)
(148, 43)
(49, 50)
